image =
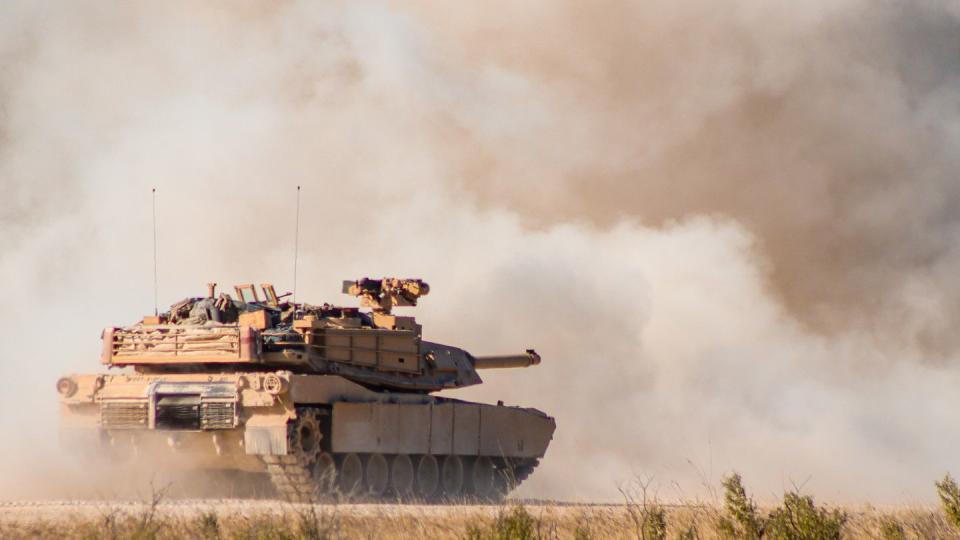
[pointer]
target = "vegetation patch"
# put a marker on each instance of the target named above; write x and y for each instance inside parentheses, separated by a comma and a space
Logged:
(641, 516)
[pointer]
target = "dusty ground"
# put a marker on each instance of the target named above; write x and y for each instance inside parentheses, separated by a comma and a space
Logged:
(225, 518)
(65, 510)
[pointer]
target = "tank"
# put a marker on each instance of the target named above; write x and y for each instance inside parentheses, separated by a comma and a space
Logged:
(326, 401)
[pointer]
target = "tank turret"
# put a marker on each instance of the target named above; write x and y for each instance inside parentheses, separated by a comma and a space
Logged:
(376, 348)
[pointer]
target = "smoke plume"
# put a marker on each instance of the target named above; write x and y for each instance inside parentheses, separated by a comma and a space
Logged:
(730, 229)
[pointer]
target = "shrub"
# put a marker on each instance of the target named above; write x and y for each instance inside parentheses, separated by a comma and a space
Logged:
(949, 494)
(741, 519)
(800, 519)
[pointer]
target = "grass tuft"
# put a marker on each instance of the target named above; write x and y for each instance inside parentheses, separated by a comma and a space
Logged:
(514, 524)
(891, 529)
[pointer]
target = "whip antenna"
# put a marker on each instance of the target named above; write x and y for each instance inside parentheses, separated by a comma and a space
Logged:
(296, 246)
(155, 287)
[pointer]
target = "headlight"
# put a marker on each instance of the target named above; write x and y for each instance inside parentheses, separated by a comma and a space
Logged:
(274, 384)
(66, 386)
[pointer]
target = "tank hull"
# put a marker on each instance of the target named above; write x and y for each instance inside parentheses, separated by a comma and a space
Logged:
(315, 435)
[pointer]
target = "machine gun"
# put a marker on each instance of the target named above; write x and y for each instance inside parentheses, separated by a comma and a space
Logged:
(382, 295)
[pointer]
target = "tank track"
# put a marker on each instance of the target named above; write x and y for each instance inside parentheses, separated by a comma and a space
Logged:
(290, 476)
(522, 472)
(312, 474)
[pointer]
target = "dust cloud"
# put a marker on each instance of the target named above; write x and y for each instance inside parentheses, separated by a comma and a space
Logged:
(730, 229)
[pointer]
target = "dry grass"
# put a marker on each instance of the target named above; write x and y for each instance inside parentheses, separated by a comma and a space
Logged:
(265, 520)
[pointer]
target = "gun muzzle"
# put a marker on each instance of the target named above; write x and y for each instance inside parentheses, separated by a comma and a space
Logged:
(527, 359)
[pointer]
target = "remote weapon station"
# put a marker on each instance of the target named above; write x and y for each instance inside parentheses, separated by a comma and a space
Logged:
(327, 401)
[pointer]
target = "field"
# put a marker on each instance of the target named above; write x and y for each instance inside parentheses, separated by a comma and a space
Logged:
(514, 520)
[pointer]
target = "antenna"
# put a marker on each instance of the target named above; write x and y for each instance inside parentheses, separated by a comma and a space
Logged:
(296, 246)
(156, 311)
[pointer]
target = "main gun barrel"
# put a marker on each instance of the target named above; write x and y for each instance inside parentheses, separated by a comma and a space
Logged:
(527, 359)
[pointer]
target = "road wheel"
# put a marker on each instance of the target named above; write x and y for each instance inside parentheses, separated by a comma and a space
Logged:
(428, 477)
(482, 477)
(325, 474)
(351, 475)
(402, 476)
(451, 477)
(376, 475)
(504, 481)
